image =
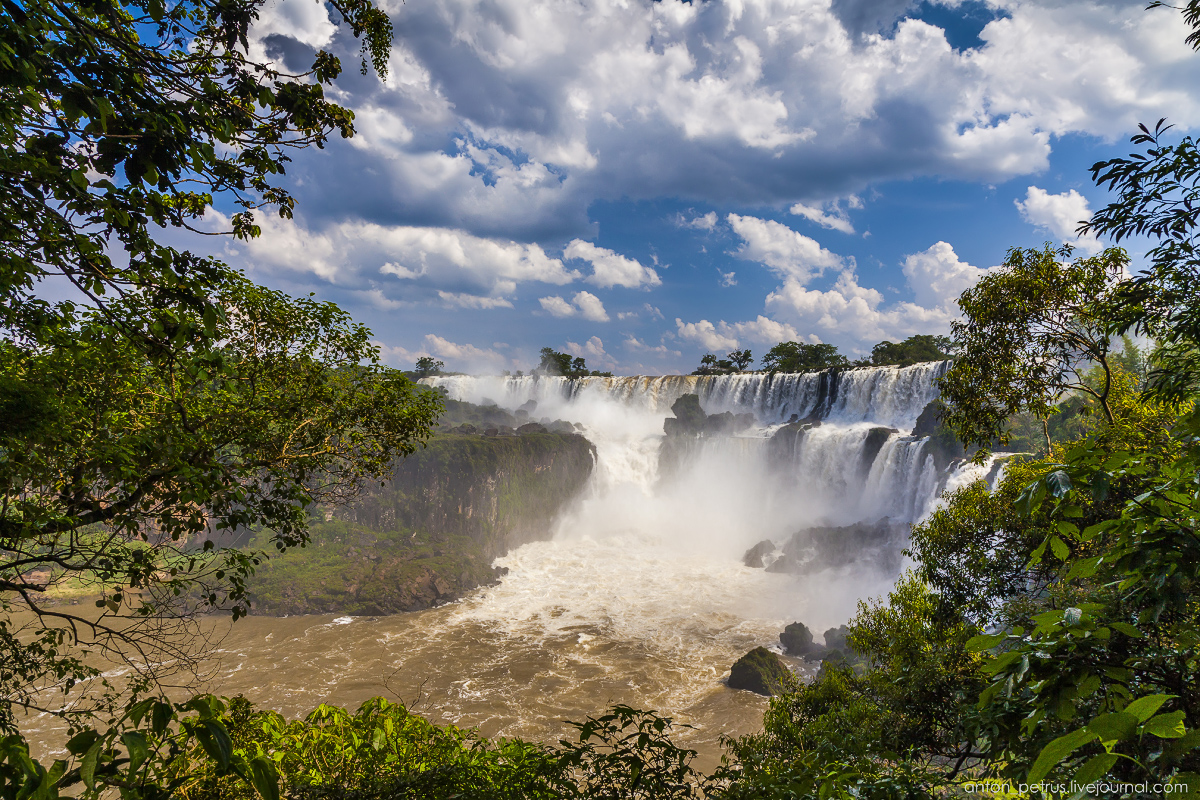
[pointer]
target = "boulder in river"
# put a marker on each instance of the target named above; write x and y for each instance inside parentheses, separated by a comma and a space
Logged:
(797, 640)
(755, 555)
(759, 671)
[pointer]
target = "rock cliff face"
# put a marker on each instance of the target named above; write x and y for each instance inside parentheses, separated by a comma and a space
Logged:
(428, 534)
(501, 491)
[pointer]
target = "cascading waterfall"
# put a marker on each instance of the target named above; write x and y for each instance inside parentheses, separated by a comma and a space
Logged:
(838, 471)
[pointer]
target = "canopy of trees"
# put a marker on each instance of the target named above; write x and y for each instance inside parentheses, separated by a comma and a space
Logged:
(556, 363)
(735, 361)
(913, 350)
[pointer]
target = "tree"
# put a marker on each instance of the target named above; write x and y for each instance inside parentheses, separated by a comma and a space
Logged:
(1159, 196)
(170, 401)
(427, 366)
(556, 363)
(741, 359)
(124, 475)
(736, 361)
(1030, 333)
(119, 118)
(801, 357)
(913, 350)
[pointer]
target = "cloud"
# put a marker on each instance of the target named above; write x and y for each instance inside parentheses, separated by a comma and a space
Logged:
(404, 264)
(788, 254)
(837, 221)
(611, 269)
(847, 313)
(593, 348)
(707, 222)
(590, 307)
(636, 345)
(584, 304)
(1061, 214)
(729, 335)
(937, 277)
(705, 334)
(465, 357)
(557, 306)
(728, 278)
(510, 119)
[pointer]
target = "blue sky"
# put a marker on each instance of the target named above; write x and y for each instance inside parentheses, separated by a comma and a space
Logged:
(642, 182)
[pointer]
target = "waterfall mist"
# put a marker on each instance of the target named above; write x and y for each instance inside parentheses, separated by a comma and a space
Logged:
(655, 553)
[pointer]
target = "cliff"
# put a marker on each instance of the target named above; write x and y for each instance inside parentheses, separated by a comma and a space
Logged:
(428, 534)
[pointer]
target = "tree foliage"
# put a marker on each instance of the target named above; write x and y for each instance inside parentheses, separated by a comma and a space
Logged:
(913, 350)
(803, 357)
(556, 363)
(1029, 333)
(1158, 196)
(168, 400)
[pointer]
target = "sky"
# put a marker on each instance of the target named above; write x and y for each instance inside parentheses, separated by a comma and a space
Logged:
(641, 182)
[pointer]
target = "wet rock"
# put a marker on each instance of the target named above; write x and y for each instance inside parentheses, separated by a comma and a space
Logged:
(786, 563)
(835, 638)
(797, 640)
(466, 427)
(727, 423)
(491, 432)
(528, 406)
(943, 445)
(533, 427)
(759, 671)
(755, 555)
(689, 417)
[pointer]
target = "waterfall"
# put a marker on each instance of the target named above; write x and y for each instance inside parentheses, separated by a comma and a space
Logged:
(890, 396)
(649, 559)
(858, 462)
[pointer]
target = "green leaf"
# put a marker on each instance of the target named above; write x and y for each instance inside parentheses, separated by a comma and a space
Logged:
(87, 768)
(1054, 753)
(215, 741)
(1145, 707)
(1059, 548)
(1115, 727)
(977, 644)
(135, 742)
(1190, 782)
(264, 777)
(1127, 629)
(1095, 767)
(1166, 726)
(1058, 483)
(82, 742)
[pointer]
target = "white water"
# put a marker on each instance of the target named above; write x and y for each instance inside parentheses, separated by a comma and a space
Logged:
(654, 557)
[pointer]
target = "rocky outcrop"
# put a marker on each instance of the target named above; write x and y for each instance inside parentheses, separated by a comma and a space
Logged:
(943, 445)
(500, 492)
(820, 547)
(755, 556)
(759, 671)
(689, 425)
(429, 533)
(797, 640)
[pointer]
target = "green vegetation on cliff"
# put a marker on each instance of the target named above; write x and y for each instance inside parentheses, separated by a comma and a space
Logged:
(428, 533)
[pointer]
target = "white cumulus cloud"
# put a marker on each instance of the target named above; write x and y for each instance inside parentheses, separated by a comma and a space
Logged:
(789, 254)
(1061, 214)
(610, 268)
(583, 304)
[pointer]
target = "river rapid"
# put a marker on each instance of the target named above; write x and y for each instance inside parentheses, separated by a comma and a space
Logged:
(639, 595)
